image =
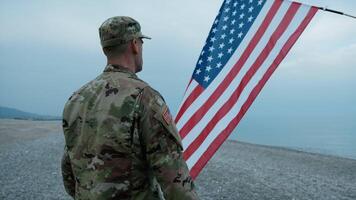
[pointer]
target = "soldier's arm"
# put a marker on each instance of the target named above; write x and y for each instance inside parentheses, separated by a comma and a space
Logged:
(67, 174)
(164, 149)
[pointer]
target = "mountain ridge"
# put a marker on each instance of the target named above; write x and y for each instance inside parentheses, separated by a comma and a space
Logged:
(14, 113)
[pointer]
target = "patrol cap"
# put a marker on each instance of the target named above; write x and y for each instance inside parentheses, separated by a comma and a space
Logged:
(119, 30)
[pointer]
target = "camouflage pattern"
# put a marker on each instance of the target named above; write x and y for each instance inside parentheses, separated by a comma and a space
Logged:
(121, 142)
(119, 30)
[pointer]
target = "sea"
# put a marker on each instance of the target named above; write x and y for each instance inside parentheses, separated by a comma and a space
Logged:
(325, 134)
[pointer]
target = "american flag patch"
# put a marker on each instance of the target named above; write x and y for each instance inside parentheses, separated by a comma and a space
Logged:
(167, 115)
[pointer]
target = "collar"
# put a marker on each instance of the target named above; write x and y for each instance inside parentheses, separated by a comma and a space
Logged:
(119, 68)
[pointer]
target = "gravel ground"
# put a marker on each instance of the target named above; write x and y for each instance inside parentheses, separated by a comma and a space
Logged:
(246, 171)
(30, 169)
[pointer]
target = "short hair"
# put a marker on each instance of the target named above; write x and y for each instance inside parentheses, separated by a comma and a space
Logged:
(112, 51)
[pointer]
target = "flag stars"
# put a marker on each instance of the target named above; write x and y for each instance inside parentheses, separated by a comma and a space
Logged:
(197, 72)
(210, 58)
(206, 78)
(229, 50)
(200, 61)
(223, 36)
(241, 25)
(220, 55)
(226, 33)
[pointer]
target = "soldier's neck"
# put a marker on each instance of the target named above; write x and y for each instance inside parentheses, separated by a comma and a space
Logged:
(124, 62)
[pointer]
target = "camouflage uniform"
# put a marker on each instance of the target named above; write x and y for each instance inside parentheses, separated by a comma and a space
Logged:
(121, 142)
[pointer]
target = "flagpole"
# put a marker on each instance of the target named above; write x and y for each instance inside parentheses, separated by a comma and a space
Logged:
(329, 10)
(336, 12)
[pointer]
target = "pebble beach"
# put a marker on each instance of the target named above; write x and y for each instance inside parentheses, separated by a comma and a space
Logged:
(30, 153)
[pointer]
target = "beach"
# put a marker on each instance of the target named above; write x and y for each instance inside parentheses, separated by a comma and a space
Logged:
(30, 154)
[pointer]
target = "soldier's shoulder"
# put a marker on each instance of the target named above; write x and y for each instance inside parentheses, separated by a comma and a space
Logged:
(139, 82)
(149, 94)
(151, 99)
(156, 108)
(126, 80)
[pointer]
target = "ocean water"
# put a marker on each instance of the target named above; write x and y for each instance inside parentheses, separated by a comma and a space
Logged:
(332, 135)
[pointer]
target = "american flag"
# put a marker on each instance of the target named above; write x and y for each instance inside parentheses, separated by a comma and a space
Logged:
(247, 42)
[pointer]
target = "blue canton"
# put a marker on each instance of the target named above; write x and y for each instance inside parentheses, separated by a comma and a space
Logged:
(229, 28)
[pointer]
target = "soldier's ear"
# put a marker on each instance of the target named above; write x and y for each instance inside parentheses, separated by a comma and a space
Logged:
(135, 46)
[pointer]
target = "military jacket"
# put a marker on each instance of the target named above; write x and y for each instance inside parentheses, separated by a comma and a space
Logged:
(121, 142)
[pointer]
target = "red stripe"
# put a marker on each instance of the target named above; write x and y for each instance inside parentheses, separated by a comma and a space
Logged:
(188, 85)
(231, 126)
(197, 116)
(245, 80)
(191, 98)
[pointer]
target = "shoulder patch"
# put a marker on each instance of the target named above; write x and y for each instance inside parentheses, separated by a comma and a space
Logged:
(159, 101)
(166, 115)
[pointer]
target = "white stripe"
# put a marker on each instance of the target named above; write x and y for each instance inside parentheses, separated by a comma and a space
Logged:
(190, 88)
(194, 133)
(237, 54)
(222, 124)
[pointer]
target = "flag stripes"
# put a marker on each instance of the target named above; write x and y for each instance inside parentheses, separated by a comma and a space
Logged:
(208, 115)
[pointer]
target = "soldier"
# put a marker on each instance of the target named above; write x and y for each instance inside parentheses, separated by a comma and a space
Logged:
(121, 141)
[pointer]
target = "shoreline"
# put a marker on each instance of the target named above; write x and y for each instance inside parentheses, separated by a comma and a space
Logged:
(294, 149)
(56, 127)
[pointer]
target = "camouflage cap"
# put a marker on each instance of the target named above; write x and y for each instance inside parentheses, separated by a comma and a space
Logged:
(119, 30)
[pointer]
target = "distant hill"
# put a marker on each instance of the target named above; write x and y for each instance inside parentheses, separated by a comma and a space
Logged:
(12, 113)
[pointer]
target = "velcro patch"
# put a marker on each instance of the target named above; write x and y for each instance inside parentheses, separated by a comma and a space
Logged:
(166, 115)
(159, 101)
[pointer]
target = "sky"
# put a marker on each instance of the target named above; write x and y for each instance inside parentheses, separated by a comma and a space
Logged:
(48, 49)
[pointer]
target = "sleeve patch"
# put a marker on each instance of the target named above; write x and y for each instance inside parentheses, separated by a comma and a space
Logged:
(159, 101)
(167, 115)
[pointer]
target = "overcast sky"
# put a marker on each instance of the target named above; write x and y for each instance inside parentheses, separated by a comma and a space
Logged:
(48, 49)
